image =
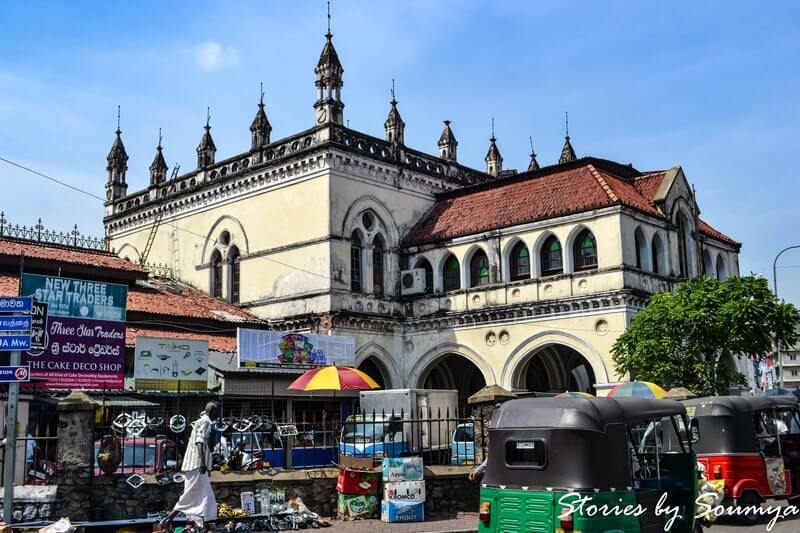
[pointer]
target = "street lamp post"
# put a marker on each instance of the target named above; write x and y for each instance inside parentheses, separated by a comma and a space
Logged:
(775, 288)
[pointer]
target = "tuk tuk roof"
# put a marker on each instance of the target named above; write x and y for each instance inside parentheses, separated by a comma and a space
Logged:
(591, 414)
(737, 405)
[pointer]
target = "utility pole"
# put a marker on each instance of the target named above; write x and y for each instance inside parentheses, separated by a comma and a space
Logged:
(10, 455)
(775, 289)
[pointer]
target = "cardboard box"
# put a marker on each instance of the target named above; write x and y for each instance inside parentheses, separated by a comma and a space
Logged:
(393, 512)
(404, 491)
(357, 482)
(352, 507)
(356, 463)
(402, 469)
(248, 502)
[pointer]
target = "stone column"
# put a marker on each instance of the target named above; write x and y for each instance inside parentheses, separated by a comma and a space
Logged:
(74, 456)
(483, 405)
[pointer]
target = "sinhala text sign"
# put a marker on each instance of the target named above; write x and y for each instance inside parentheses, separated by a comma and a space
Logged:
(162, 363)
(262, 348)
(85, 336)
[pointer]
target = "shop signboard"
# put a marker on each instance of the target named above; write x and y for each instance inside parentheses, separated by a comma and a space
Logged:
(167, 364)
(263, 349)
(82, 345)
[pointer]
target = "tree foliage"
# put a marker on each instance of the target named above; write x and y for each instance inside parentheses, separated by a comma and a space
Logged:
(688, 337)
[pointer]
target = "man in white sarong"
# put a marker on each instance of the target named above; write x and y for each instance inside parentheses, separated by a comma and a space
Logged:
(197, 501)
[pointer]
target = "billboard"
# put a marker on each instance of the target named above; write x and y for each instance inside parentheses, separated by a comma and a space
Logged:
(163, 363)
(83, 344)
(262, 349)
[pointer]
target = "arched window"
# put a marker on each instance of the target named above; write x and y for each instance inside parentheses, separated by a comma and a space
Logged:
(520, 262)
(722, 272)
(640, 243)
(584, 251)
(657, 254)
(551, 257)
(479, 269)
(424, 263)
(451, 274)
(216, 274)
(683, 244)
(378, 249)
(355, 262)
(708, 266)
(233, 274)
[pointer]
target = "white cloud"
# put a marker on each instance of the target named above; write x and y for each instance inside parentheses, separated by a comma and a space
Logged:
(213, 56)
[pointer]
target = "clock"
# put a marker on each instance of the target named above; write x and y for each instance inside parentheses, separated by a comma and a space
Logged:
(322, 116)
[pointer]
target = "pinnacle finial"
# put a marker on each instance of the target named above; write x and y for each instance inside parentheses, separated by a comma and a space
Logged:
(261, 101)
(118, 121)
(493, 138)
(329, 34)
(159, 138)
(394, 101)
(208, 118)
(533, 154)
(566, 121)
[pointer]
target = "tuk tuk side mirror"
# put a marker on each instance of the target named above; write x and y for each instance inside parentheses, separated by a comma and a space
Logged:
(694, 431)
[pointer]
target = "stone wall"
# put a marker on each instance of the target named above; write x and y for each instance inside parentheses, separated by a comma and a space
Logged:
(75, 456)
(114, 499)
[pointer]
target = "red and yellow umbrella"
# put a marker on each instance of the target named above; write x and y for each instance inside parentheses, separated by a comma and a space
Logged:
(574, 394)
(334, 378)
(637, 389)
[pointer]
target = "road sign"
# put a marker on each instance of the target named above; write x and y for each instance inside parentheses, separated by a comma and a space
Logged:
(14, 373)
(15, 342)
(15, 323)
(15, 304)
(39, 326)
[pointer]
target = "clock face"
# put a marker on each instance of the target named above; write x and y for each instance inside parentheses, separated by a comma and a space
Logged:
(323, 115)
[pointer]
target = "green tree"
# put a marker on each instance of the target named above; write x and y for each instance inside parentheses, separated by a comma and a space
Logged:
(688, 337)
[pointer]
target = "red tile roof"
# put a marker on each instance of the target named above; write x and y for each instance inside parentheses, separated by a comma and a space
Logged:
(551, 192)
(65, 254)
(158, 297)
(648, 184)
(706, 229)
(217, 342)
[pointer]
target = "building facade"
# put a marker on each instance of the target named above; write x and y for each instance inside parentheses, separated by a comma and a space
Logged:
(447, 276)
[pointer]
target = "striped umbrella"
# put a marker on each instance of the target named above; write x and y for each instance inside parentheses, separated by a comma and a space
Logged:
(334, 378)
(637, 389)
(573, 394)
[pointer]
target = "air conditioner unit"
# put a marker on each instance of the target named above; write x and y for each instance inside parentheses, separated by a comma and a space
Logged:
(412, 281)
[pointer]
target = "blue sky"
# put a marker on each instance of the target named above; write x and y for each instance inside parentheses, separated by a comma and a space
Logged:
(710, 86)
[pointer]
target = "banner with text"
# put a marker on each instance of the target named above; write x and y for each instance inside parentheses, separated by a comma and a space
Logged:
(84, 340)
(262, 348)
(164, 364)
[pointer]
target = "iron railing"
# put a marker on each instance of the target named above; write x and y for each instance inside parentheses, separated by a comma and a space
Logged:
(35, 456)
(149, 444)
(39, 233)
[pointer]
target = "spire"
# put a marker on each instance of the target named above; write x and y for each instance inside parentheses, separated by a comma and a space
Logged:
(447, 143)
(158, 168)
(494, 161)
(329, 106)
(206, 149)
(260, 128)
(117, 166)
(567, 152)
(533, 165)
(394, 125)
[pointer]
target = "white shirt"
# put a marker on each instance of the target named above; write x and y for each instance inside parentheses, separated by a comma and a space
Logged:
(201, 432)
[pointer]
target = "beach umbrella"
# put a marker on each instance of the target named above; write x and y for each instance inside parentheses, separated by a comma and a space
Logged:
(334, 378)
(573, 394)
(637, 389)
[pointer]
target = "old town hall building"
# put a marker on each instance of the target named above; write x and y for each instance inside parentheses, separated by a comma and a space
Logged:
(447, 276)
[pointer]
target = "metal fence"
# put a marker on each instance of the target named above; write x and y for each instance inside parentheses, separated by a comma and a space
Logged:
(154, 444)
(35, 456)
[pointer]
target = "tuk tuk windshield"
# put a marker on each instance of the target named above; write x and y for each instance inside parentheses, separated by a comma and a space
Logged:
(650, 440)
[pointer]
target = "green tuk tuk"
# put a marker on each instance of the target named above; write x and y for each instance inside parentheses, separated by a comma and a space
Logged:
(589, 465)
